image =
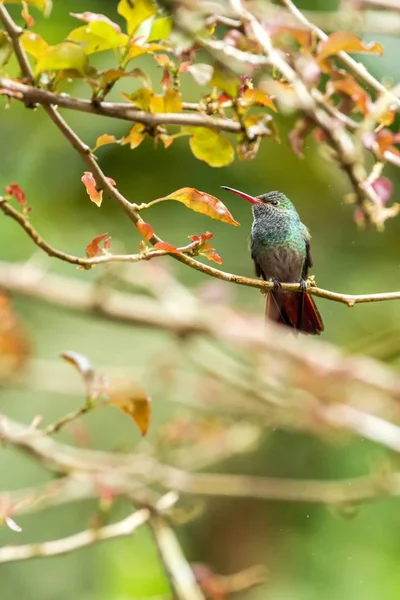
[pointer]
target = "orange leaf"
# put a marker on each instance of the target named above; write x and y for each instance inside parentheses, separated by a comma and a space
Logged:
(94, 194)
(132, 399)
(25, 14)
(135, 136)
(202, 203)
(145, 230)
(14, 343)
(166, 247)
(104, 139)
(256, 96)
(347, 42)
(348, 85)
(94, 249)
(16, 192)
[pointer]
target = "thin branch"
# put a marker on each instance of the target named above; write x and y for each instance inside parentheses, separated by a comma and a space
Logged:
(76, 295)
(177, 568)
(87, 263)
(357, 68)
(94, 469)
(127, 112)
(74, 542)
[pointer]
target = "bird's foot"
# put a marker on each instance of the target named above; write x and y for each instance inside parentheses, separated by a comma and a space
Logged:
(303, 285)
(276, 282)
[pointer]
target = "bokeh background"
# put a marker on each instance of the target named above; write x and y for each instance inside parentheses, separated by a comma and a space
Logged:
(310, 551)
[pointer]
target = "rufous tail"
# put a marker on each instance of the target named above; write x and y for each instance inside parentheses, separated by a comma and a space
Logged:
(295, 310)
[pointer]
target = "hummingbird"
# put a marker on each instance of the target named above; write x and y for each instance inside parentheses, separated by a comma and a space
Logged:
(280, 249)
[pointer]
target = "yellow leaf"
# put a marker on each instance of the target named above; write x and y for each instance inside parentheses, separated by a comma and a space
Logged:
(33, 44)
(156, 104)
(132, 399)
(203, 203)
(135, 136)
(44, 5)
(98, 36)
(104, 139)
(141, 98)
(216, 150)
(66, 55)
(172, 101)
(347, 42)
(160, 29)
(135, 12)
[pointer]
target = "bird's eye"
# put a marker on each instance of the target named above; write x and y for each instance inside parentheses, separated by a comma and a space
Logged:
(275, 202)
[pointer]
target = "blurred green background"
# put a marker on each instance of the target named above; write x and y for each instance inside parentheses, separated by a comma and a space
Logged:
(310, 551)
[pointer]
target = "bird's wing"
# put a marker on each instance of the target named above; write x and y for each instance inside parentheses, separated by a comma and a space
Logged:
(257, 266)
(308, 263)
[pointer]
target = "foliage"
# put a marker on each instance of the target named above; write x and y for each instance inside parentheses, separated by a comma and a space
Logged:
(254, 76)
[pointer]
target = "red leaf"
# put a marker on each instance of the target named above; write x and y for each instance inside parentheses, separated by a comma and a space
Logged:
(166, 247)
(16, 192)
(202, 237)
(166, 79)
(145, 230)
(214, 256)
(94, 249)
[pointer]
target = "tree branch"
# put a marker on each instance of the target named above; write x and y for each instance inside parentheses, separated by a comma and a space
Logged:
(127, 112)
(75, 542)
(87, 263)
(177, 568)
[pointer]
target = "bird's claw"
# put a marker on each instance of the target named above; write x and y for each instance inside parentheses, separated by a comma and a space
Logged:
(303, 285)
(277, 284)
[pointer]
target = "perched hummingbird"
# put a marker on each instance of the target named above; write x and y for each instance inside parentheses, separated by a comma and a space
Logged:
(280, 249)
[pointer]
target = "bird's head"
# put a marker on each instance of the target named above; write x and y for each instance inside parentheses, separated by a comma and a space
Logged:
(271, 199)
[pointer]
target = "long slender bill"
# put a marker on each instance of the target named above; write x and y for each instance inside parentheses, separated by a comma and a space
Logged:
(251, 199)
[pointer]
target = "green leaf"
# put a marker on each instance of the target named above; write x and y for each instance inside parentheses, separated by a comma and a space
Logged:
(66, 55)
(135, 12)
(160, 29)
(225, 80)
(216, 150)
(5, 48)
(98, 36)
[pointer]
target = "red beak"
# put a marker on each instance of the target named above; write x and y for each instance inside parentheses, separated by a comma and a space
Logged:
(251, 199)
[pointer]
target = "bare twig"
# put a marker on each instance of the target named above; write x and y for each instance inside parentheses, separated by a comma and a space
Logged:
(74, 542)
(178, 570)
